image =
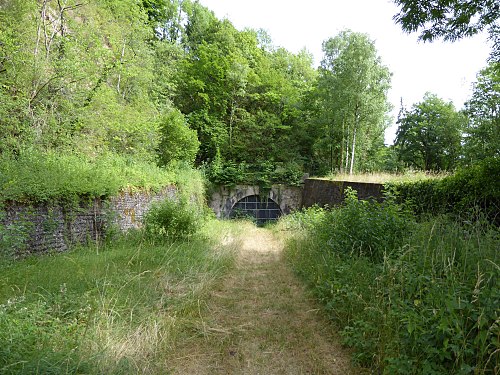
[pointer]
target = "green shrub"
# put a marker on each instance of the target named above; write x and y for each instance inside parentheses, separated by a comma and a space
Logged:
(178, 142)
(307, 218)
(174, 219)
(226, 173)
(264, 174)
(288, 173)
(364, 228)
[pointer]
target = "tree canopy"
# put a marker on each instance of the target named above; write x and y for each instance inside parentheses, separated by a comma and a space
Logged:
(163, 81)
(482, 134)
(351, 100)
(447, 19)
(429, 135)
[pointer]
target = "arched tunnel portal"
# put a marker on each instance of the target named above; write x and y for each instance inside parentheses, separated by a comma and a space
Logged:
(261, 204)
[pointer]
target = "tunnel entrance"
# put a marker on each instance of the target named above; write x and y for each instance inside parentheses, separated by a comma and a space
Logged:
(261, 210)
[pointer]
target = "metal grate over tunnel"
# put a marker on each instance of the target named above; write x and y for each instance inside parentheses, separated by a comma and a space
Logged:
(257, 208)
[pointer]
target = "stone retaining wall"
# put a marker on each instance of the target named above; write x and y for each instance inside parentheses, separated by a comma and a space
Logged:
(331, 193)
(130, 207)
(40, 228)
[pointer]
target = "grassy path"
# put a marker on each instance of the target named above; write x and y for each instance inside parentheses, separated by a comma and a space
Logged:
(260, 321)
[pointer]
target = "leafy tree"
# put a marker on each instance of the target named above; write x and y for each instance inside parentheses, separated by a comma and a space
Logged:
(429, 135)
(241, 96)
(351, 100)
(449, 19)
(483, 109)
(165, 18)
(271, 126)
(76, 77)
(201, 25)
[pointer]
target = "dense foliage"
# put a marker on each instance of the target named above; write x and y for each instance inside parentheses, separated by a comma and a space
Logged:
(164, 82)
(410, 298)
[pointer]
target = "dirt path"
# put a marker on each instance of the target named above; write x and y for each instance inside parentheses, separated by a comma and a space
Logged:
(259, 321)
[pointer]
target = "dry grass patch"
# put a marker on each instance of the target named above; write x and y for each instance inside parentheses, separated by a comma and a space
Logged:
(383, 177)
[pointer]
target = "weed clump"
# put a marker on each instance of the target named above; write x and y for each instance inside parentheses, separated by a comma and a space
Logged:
(173, 219)
(364, 228)
(41, 336)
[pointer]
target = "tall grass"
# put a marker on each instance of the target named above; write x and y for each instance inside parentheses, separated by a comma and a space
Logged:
(115, 308)
(426, 302)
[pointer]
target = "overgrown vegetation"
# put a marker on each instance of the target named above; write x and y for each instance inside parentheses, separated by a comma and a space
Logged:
(410, 297)
(264, 175)
(113, 308)
(112, 95)
(164, 82)
(49, 176)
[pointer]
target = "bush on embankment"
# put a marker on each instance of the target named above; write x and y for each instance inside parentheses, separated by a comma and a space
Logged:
(410, 298)
(56, 182)
(173, 219)
(468, 193)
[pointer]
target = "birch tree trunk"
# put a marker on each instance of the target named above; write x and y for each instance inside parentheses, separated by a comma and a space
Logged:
(352, 150)
(347, 150)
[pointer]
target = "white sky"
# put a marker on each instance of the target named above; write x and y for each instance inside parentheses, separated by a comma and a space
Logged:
(446, 69)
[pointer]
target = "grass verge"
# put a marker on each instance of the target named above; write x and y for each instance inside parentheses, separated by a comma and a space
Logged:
(116, 308)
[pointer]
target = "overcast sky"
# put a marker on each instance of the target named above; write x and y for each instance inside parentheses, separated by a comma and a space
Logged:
(446, 69)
